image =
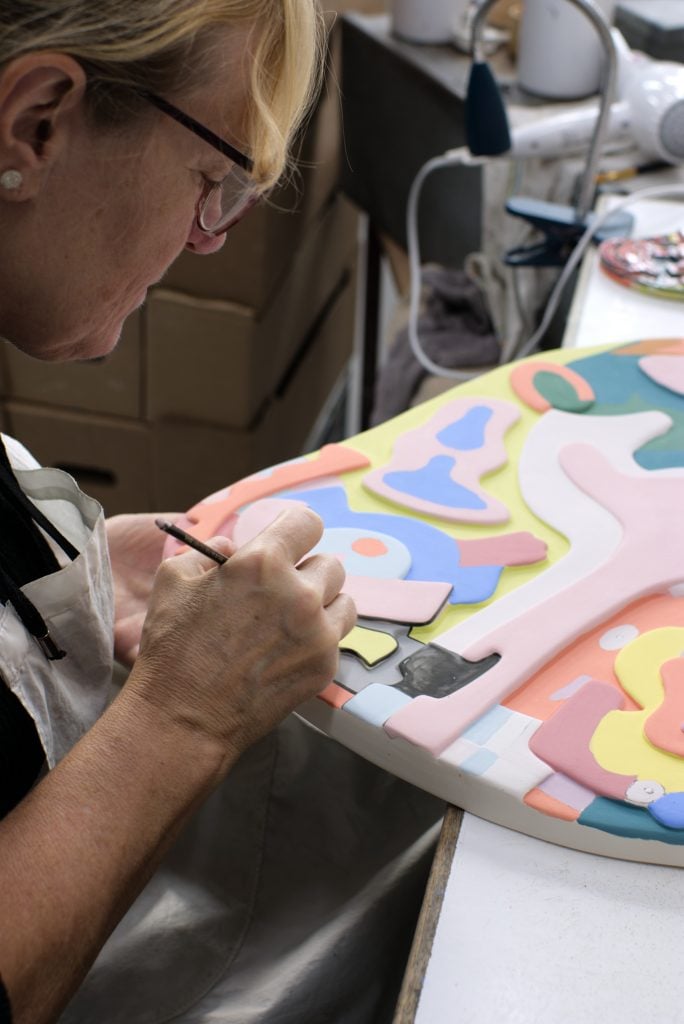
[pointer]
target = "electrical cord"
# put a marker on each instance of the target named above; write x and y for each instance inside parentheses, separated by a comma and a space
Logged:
(522, 311)
(451, 158)
(463, 157)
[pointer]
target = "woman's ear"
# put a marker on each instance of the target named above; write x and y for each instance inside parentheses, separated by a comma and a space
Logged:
(39, 95)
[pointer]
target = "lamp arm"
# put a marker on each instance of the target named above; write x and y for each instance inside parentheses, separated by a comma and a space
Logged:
(585, 200)
(594, 14)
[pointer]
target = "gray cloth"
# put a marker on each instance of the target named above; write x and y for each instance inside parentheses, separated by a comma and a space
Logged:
(291, 899)
(455, 331)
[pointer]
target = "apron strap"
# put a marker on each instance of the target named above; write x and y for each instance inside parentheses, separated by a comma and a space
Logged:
(30, 617)
(25, 554)
(12, 490)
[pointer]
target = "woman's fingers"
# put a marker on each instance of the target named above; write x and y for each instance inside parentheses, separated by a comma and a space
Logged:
(233, 648)
(294, 533)
(342, 614)
(191, 563)
(326, 573)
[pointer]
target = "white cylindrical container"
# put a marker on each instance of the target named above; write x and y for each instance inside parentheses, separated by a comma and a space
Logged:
(426, 21)
(560, 54)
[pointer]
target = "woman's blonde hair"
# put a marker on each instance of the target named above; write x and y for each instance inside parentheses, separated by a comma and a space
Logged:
(131, 45)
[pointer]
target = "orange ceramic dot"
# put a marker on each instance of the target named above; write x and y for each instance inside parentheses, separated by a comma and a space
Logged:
(371, 547)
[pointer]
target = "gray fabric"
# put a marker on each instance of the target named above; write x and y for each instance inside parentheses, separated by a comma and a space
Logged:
(454, 329)
(291, 898)
(346, 855)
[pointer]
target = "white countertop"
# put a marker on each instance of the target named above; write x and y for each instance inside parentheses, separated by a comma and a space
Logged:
(604, 311)
(532, 933)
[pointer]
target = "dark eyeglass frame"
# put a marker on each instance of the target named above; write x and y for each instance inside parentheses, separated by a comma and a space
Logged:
(225, 148)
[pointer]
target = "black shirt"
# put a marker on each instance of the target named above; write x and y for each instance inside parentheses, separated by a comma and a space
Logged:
(5, 1008)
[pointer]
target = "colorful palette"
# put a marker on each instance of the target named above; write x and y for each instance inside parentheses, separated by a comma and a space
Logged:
(653, 266)
(516, 551)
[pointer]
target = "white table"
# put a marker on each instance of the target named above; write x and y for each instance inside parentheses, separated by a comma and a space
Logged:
(604, 311)
(531, 933)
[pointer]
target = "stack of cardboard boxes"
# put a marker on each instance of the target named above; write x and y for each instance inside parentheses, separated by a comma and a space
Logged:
(227, 366)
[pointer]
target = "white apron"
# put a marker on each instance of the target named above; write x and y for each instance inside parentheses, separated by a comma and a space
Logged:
(63, 697)
(290, 898)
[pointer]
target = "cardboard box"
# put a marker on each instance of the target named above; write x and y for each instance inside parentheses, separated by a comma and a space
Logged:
(193, 459)
(220, 362)
(257, 252)
(138, 467)
(109, 458)
(111, 385)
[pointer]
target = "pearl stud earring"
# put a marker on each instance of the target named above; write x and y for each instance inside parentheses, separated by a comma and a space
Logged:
(11, 180)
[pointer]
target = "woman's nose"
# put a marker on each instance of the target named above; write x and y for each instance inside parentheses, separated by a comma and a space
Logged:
(203, 244)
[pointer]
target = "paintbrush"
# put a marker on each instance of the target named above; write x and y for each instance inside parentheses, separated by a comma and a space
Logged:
(192, 542)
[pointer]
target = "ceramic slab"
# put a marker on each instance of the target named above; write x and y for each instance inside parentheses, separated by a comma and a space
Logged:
(516, 550)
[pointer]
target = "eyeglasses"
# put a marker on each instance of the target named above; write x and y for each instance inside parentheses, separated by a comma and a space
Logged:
(224, 203)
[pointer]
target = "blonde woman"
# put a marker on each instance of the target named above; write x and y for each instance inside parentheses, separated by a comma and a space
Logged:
(258, 886)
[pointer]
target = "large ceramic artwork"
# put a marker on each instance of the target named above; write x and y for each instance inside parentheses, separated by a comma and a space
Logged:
(516, 552)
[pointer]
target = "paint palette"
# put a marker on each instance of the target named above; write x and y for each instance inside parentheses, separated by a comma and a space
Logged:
(516, 552)
(653, 266)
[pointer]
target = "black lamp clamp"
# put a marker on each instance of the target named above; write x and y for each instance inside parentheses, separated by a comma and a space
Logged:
(560, 228)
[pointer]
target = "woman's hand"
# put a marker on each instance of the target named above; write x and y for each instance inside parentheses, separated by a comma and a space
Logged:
(135, 549)
(229, 651)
